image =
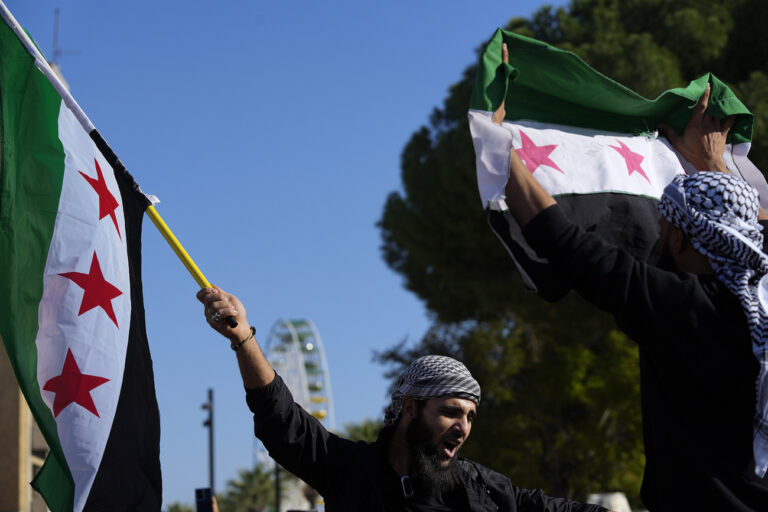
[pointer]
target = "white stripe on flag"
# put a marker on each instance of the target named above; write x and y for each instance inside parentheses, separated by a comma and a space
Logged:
(589, 161)
(569, 160)
(96, 339)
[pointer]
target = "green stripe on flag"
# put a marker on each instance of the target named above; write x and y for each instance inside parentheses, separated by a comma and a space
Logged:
(31, 174)
(547, 84)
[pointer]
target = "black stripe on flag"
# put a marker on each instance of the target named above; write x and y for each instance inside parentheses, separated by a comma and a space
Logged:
(629, 221)
(129, 475)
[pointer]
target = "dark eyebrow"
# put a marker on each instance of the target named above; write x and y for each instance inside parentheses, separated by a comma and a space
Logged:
(456, 409)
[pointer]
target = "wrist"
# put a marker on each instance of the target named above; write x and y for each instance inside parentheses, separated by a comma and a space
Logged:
(235, 345)
(720, 166)
(240, 332)
(717, 165)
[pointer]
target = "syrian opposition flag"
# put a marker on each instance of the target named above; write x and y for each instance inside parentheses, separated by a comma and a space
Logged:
(72, 319)
(590, 141)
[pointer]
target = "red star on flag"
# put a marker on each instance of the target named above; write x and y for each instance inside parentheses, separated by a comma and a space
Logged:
(73, 386)
(534, 156)
(96, 290)
(107, 202)
(633, 160)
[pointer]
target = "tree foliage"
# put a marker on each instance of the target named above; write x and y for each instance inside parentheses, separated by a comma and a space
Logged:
(179, 507)
(560, 386)
(253, 490)
(366, 430)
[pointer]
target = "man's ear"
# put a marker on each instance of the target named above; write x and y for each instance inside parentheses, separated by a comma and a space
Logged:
(409, 408)
(677, 240)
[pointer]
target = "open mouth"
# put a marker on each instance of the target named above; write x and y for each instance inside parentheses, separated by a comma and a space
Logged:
(450, 447)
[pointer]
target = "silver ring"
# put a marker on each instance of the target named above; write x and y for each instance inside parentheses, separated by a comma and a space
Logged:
(216, 317)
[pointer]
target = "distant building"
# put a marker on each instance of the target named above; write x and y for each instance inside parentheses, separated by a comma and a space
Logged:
(22, 447)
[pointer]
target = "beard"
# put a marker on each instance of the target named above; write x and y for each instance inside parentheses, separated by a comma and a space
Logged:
(428, 473)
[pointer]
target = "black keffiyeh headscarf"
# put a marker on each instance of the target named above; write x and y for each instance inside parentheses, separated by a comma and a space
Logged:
(718, 214)
(432, 377)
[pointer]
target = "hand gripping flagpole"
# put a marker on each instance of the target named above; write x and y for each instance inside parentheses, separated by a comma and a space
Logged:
(42, 64)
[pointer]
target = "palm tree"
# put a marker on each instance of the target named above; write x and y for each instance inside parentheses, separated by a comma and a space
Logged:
(252, 491)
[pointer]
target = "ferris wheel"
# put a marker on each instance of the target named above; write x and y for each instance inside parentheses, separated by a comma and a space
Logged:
(295, 350)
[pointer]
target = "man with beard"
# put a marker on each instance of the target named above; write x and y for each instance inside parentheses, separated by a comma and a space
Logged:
(413, 466)
(698, 316)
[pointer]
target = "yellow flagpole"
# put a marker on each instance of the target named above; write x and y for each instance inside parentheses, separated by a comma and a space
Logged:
(101, 144)
(181, 253)
(177, 247)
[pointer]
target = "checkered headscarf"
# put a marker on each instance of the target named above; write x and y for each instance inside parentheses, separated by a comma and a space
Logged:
(432, 377)
(718, 214)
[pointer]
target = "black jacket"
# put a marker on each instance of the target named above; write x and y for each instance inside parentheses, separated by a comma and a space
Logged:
(697, 370)
(351, 476)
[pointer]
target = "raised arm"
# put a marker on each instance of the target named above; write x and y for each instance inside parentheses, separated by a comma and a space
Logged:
(294, 438)
(525, 197)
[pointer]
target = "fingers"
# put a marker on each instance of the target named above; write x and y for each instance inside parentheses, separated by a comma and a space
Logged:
(498, 116)
(501, 112)
(702, 104)
(728, 124)
(217, 304)
(214, 293)
(207, 295)
(223, 308)
(216, 316)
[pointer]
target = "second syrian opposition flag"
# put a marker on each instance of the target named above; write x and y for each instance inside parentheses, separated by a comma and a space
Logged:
(72, 319)
(590, 141)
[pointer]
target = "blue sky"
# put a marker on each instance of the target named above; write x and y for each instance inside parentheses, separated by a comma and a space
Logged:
(272, 133)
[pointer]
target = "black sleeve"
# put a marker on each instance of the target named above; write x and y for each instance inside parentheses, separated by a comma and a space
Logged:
(294, 438)
(643, 298)
(502, 492)
(535, 501)
(764, 224)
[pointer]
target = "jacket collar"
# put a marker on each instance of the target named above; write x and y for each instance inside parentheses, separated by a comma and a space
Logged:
(477, 492)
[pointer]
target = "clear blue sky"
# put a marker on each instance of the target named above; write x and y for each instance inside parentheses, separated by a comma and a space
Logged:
(272, 133)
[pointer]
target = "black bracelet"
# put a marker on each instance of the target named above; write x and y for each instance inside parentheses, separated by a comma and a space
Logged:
(235, 346)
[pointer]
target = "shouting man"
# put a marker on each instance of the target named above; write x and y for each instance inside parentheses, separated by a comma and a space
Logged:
(413, 466)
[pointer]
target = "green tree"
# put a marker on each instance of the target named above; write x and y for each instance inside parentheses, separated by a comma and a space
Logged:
(366, 430)
(179, 507)
(560, 386)
(253, 490)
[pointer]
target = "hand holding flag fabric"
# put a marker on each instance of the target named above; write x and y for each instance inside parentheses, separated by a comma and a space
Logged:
(498, 116)
(526, 198)
(704, 140)
(590, 142)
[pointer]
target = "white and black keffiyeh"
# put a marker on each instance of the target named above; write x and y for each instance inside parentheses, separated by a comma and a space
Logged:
(718, 214)
(432, 377)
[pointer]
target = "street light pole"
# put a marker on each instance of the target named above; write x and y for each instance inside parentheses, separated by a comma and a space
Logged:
(209, 423)
(277, 487)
